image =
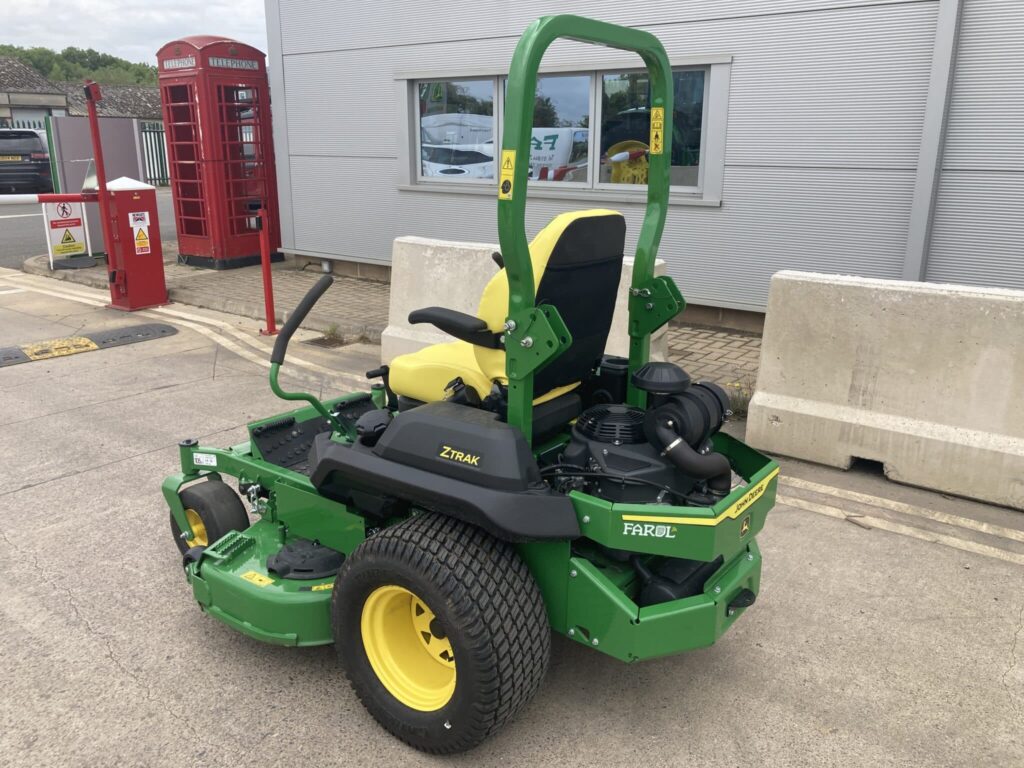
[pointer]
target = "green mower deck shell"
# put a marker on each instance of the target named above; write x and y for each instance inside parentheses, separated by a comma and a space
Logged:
(230, 581)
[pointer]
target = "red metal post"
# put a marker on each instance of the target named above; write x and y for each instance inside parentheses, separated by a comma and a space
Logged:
(92, 95)
(62, 197)
(268, 285)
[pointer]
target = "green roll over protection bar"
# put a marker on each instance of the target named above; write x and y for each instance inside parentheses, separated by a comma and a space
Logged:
(535, 335)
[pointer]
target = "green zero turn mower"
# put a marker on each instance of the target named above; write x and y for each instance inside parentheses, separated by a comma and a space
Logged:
(437, 527)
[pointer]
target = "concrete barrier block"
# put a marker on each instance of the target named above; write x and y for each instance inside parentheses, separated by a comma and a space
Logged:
(426, 272)
(927, 379)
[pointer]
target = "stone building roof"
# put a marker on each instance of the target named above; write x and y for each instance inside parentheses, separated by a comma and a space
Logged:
(141, 101)
(18, 77)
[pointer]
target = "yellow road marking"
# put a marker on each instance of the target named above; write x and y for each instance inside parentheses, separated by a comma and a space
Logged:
(736, 509)
(69, 345)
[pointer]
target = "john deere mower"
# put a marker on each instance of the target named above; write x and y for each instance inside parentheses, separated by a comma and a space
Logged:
(488, 491)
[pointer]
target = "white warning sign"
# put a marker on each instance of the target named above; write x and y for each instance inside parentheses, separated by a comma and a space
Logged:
(140, 231)
(65, 230)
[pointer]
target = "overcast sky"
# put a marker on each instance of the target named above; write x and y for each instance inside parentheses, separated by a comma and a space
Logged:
(131, 30)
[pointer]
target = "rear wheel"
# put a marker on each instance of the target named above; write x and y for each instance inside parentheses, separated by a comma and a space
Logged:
(212, 509)
(441, 630)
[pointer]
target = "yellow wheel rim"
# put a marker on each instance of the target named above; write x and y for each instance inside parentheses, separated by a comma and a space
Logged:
(407, 648)
(198, 529)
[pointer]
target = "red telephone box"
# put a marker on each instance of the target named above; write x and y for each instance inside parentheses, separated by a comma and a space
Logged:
(216, 107)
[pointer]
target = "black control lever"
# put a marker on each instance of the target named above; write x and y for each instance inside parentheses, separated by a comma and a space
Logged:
(297, 316)
(383, 373)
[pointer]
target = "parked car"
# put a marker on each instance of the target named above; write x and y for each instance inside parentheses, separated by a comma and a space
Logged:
(24, 162)
(457, 144)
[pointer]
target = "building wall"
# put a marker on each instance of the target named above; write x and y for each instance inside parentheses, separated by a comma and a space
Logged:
(826, 100)
(978, 231)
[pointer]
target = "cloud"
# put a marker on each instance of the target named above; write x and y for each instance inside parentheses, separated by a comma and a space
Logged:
(131, 30)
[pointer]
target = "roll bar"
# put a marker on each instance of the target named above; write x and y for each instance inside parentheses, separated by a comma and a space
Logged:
(522, 357)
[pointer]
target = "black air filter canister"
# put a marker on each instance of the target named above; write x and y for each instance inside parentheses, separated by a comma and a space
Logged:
(696, 414)
(619, 424)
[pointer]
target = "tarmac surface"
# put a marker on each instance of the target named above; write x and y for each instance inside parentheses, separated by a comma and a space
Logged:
(888, 631)
(22, 233)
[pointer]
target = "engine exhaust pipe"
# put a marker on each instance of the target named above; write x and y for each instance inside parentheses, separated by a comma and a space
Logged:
(712, 467)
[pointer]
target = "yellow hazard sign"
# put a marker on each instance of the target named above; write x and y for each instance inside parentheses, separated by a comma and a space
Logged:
(657, 130)
(141, 241)
(68, 246)
(507, 176)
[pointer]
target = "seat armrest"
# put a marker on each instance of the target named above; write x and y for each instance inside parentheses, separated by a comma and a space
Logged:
(458, 324)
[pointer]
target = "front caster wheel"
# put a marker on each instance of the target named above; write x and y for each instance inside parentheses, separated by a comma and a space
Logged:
(212, 509)
(441, 630)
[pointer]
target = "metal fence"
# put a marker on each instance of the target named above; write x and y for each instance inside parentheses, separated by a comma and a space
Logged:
(154, 153)
(32, 125)
(154, 146)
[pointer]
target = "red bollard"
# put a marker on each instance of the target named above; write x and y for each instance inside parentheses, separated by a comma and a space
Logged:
(268, 285)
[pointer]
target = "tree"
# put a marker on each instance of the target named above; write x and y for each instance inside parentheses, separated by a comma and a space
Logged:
(545, 115)
(78, 64)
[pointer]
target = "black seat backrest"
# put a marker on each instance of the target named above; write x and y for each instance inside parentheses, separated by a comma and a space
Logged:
(581, 280)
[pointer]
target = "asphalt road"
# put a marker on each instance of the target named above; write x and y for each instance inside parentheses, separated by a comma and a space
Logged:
(21, 229)
(888, 631)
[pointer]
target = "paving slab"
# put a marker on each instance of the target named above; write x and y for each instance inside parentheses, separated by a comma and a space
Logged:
(357, 310)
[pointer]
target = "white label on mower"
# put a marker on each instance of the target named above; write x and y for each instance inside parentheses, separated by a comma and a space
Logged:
(649, 529)
(204, 459)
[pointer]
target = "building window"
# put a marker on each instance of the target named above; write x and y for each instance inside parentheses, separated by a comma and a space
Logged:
(626, 127)
(560, 148)
(591, 131)
(456, 129)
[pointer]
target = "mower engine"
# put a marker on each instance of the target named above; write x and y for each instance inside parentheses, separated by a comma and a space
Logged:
(663, 455)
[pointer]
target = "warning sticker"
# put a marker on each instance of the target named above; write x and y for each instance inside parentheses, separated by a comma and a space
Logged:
(65, 229)
(140, 226)
(657, 130)
(141, 241)
(257, 578)
(507, 176)
(68, 246)
(204, 459)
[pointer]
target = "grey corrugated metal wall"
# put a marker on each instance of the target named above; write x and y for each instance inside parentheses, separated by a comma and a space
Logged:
(824, 124)
(978, 230)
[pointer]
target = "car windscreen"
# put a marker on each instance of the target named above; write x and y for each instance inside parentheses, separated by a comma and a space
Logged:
(20, 143)
(454, 156)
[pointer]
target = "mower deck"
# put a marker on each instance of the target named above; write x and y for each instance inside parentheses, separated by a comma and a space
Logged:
(589, 599)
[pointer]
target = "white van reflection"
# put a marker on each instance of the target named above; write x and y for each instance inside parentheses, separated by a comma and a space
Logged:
(559, 154)
(460, 145)
(457, 145)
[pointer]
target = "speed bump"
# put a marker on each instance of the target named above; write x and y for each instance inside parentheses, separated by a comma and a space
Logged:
(88, 342)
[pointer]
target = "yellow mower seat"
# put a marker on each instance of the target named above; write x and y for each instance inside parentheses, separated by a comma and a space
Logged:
(423, 375)
(581, 255)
